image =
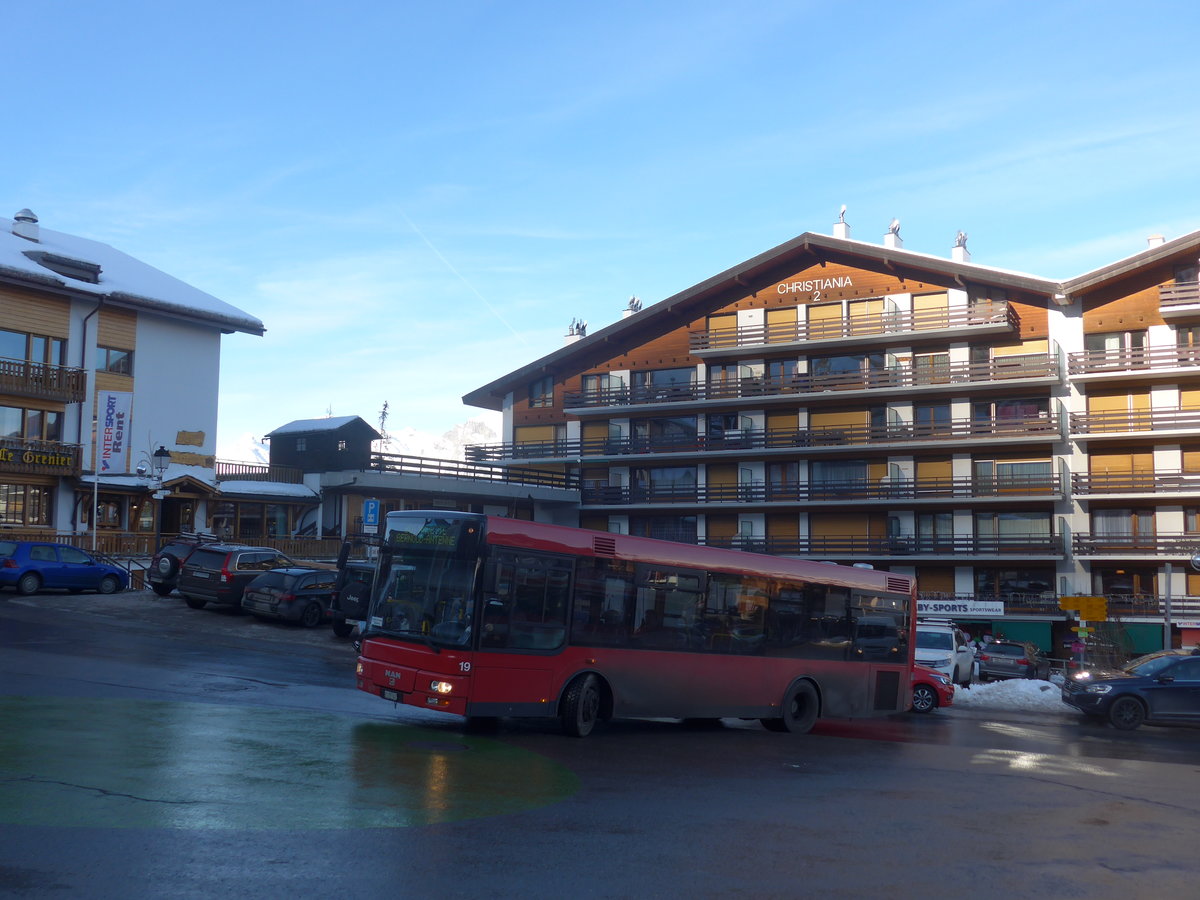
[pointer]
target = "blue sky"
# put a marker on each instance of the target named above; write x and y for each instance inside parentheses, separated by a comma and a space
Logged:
(417, 198)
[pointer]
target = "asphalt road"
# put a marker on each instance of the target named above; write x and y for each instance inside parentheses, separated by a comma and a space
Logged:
(150, 750)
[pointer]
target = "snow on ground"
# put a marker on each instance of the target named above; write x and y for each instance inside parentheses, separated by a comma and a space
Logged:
(1015, 693)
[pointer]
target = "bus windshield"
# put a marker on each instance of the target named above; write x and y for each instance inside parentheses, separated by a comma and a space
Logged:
(426, 588)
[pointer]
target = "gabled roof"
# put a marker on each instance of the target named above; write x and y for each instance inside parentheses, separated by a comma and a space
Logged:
(758, 272)
(1105, 275)
(70, 265)
(806, 250)
(334, 423)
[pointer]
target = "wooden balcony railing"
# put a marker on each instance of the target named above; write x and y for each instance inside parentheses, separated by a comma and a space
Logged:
(818, 437)
(239, 471)
(857, 546)
(449, 468)
(1048, 487)
(938, 377)
(1185, 294)
(1176, 545)
(1157, 482)
(1149, 420)
(23, 378)
(1135, 361)
(983, 314)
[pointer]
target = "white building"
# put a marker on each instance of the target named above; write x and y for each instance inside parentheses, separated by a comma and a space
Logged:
(82, 326)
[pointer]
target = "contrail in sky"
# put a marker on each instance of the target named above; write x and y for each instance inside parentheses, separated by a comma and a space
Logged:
(459, 275)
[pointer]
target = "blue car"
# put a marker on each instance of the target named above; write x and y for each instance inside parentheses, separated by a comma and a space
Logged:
(30, 566)
(1158, 688)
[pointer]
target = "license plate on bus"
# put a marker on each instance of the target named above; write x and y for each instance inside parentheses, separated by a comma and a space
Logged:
(388, 694)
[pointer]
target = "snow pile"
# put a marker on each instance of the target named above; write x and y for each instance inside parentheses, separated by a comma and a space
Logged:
(1015, 693)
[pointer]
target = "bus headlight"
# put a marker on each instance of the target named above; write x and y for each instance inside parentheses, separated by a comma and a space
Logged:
(358, 668)
(441, 687)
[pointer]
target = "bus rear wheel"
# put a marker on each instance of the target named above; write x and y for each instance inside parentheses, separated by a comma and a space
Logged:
(800, 708)
(581, 706)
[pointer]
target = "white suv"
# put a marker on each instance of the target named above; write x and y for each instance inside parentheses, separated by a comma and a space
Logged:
(944, 646)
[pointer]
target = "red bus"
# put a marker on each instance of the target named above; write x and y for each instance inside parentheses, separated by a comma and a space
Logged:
(490, 617)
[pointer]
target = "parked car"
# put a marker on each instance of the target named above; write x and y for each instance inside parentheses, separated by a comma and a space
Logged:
(1159, 688)
(296, 595)
(163, 574)
(944, 646)
(931, 689)
(30, 566)
(1012, 659)
(219, 573)
(352, 595)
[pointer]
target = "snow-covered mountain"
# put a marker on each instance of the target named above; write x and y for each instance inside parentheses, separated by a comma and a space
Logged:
(452, 444)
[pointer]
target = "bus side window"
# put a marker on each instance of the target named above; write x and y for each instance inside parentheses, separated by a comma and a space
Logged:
(603, 594)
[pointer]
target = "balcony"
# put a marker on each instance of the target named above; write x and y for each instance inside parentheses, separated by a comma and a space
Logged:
(877, 330)
(1110, 365)
(1173, 483)
(923, 492)
(1178, 546)
(1179, 302)
(854, 548)
(815, 440)
(23, 457)
(899, 380)
(238, 471)
(449, 468)
(22, 378)
(1146, 423)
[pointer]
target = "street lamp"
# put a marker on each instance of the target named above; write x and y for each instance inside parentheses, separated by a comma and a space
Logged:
(160, 459)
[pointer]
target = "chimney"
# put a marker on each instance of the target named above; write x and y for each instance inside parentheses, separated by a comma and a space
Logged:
(1156, 240)
(634, 306)
(841, 229)
(959, 252)
(892, 240)
(577, 331)
(25, 224)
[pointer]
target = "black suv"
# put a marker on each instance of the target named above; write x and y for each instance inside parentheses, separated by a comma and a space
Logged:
(219, 573)
(163, 573)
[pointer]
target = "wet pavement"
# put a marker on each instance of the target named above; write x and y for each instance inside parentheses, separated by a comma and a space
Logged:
(151, 750)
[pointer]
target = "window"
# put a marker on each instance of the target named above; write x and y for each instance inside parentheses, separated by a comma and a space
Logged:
(1016, 410)
(525, 607)
(541, 392)
(681, 529)
(25, 504)
(602, 383)
(1005, 583)
(31, 424)
(32, 347)
(666, 384)
(669, 482)
(301, 444)
(657, 433)
(114, 361)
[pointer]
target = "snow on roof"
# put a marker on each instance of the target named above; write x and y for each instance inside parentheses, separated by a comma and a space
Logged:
(308, 425)
(268, 488)
(122, 278)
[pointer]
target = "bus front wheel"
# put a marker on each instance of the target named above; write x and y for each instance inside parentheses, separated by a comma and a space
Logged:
(581, 706)
(800, 708)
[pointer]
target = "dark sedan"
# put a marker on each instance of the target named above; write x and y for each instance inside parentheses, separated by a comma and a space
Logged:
(1158, 688)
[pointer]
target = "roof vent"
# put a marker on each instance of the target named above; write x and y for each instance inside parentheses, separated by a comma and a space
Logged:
(25, 224)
